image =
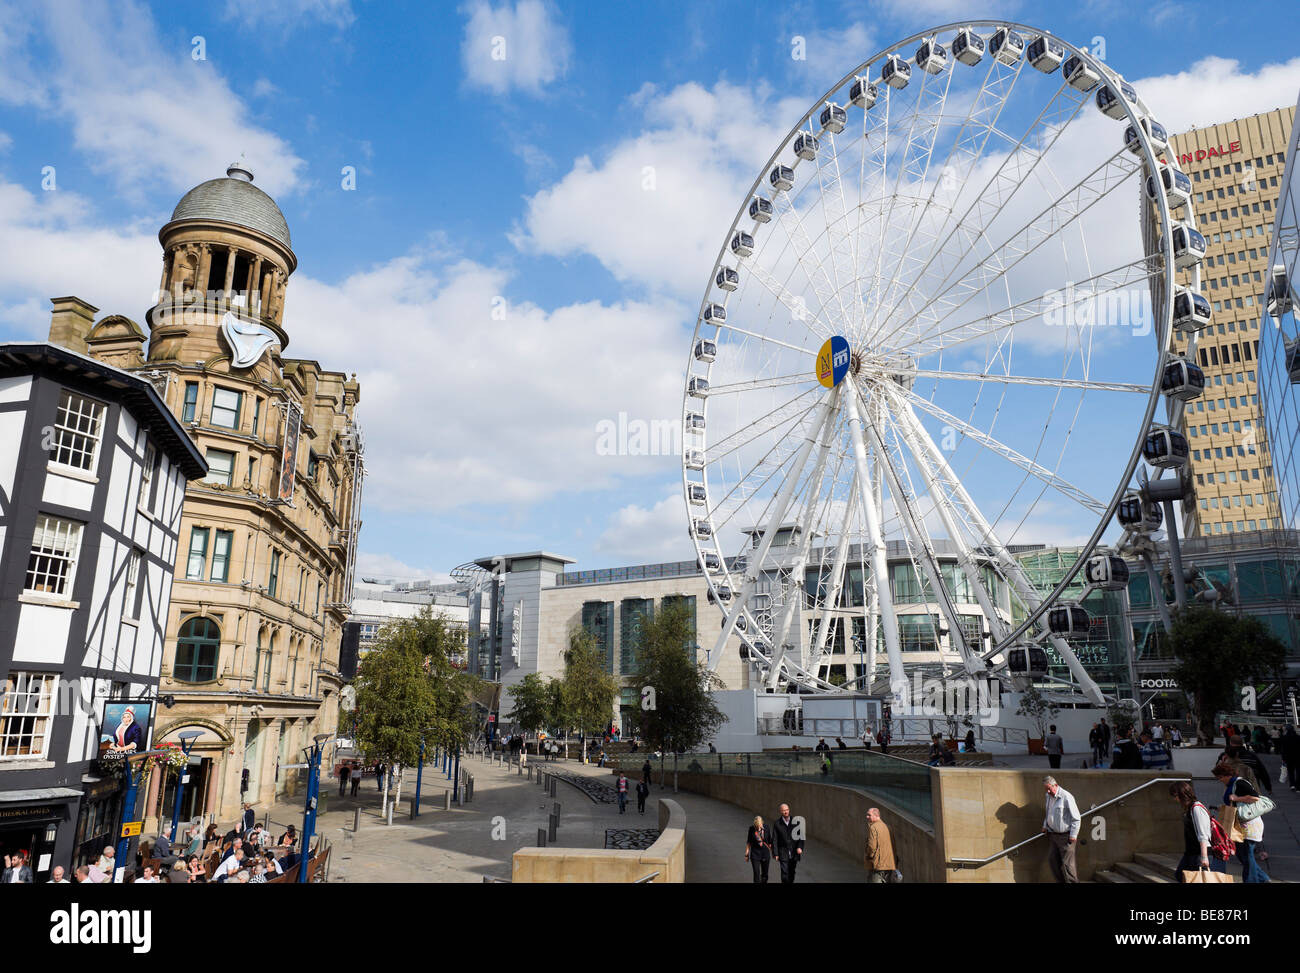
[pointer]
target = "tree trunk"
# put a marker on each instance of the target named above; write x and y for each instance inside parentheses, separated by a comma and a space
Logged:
(397, 799)
(1205, 728)
(383, 807)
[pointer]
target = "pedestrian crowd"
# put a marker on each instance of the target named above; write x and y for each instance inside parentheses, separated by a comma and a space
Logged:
(245, 854)
(1210, 841)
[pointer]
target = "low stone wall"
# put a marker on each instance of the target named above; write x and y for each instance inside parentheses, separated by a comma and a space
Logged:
(978, 812)
(667, 856)
(981, 812)
(832, 813)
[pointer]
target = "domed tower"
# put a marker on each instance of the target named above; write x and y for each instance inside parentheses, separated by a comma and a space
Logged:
(227, 257)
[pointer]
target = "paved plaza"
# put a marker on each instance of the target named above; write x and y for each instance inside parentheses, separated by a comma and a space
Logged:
(478, 839)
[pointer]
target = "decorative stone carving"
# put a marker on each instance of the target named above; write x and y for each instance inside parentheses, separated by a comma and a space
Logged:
(248, 341)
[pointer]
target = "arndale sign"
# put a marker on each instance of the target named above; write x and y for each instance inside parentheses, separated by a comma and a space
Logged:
(1200, 155)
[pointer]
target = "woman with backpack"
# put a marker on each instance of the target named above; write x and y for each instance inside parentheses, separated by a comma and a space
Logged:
(1203, 837)
(1238, 793)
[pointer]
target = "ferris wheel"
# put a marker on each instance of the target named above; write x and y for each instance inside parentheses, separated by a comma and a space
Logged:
(937, 333)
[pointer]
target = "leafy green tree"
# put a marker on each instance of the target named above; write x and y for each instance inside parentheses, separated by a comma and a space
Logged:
(678, 713)
(1217, 653)
(1038, 709)
(534, 703)
(558, 710)
(588, 690)
(408, 691)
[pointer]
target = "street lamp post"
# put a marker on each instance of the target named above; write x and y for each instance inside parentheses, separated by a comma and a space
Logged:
(419, 776)
(455, 786)
(133, 775)
(187, 744)
(309, 812)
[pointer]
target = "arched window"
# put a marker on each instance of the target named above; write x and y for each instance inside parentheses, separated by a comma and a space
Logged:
(197, 648)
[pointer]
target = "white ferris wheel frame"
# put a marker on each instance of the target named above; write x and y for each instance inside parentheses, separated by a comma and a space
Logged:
(1156, 225)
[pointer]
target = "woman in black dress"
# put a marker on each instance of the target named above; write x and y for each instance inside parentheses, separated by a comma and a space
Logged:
(758, 849)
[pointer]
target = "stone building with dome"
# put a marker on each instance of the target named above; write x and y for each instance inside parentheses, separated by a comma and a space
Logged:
(263, 577)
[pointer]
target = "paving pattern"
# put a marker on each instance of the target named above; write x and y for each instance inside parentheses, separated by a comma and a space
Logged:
(631, 839)
(598, 791)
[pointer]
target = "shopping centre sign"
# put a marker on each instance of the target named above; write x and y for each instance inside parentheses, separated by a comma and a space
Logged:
(1200, 155)
(1159, 683)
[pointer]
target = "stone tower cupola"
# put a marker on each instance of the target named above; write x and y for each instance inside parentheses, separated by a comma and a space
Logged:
(226, 249)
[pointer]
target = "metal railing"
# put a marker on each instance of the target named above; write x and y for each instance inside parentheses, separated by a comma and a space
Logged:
(903, 783)
(957, 863)
(646, 880)
(925, 729)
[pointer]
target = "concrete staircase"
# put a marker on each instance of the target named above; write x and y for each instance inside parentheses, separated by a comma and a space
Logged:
(1144, 869)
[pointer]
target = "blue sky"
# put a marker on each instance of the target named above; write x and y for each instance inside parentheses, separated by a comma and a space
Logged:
(483, 184)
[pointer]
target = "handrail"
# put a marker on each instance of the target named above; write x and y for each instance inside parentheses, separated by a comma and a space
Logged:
(646, 880)
(980, 862)
(489, 880)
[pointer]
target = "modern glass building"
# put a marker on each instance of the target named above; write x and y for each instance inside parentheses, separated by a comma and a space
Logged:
(1279, 348)
(1107, 652)
(1236, 169)
(1249, 574)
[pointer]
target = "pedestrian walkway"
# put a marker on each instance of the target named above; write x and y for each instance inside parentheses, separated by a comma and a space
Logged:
(479, 839)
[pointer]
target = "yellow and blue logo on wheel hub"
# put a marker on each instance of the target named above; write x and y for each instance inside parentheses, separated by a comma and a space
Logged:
(833, 362)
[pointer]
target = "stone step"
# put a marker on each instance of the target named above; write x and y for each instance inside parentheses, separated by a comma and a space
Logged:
(1161, 864)
(1142, 874)
(1112, 878)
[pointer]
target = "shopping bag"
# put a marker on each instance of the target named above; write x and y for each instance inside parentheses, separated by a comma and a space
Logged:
(1281, 777)
(1228, 820)
(1203, 876)
(1248, 812)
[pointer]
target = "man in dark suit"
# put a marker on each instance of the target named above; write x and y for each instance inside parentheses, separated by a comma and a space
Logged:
(787, 835)
(249, 818)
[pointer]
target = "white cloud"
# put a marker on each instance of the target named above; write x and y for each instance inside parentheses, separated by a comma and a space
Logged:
(385, 566)
(832, 52)
(129, 99)
(45, 236)
(1218, 89)
(520, 46)
(666, 196)
(460, 409)
(650, 535)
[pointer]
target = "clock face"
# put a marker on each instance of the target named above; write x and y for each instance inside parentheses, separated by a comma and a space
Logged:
(248, 341)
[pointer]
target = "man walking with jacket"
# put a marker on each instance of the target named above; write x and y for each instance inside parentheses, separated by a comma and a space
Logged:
(787, 835)
(880, 850)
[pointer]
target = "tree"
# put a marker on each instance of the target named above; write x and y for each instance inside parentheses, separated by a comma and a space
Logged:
(408, 692)
(588, 690)
(534, 703)
(678, 713)
(1038, 709)
(1123, 714)
(1218, 653)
